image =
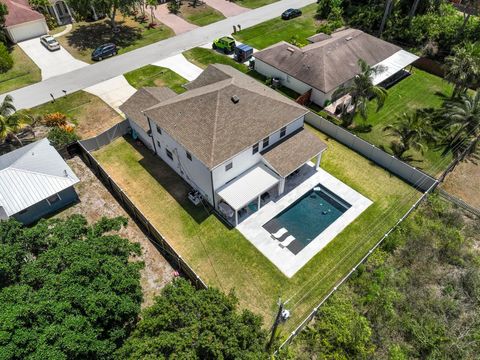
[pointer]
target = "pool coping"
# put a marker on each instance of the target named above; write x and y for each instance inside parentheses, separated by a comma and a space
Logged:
(282, 258)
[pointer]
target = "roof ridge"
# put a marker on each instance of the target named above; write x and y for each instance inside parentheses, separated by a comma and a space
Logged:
(39, 173)
(215, 123)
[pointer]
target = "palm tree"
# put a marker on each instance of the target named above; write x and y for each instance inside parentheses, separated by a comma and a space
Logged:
(153, 5)
(459, 125)
(362, 90)
(11, 121)
(463, 68)
(409, 129)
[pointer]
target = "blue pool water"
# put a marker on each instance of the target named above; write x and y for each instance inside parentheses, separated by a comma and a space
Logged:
(310, 215)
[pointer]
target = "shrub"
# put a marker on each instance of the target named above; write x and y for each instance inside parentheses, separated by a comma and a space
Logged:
(174, 6)
(6, 61)
(55, 119)
(60, 137)
(51, 21)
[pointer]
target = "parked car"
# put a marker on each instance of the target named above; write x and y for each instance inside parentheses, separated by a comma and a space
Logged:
(226, 44)
(291, 13)
(49, 42)
(104, 51)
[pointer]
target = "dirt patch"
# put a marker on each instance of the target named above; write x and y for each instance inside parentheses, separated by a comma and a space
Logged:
(464, 182)
(95, 202)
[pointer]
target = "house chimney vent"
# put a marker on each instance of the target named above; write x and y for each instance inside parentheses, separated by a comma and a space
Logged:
(349, 38)
(235, 99)
(292, 50)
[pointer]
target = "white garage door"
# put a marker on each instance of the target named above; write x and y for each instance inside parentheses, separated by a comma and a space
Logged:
(27, 31)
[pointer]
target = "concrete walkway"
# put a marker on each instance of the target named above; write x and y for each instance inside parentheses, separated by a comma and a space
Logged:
(90, 75)
(114, 91)
(227, 8)
(181, 66)
(68, 28)
(176, 23)
(51, 63)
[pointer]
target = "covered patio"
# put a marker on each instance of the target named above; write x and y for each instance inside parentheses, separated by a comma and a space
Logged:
(244, 194)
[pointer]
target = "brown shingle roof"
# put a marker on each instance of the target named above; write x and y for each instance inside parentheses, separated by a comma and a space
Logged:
(20, 12)
(211, 126)
(294, 151)
(143, 99)
(327, 64)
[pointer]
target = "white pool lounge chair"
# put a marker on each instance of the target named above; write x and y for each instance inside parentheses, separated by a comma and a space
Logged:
(279, 233)
(287, 242)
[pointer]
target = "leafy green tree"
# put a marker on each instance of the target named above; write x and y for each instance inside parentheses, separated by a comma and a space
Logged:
(463, 67)
(6, 61)
(108, 7)
(188, 324)
(325, 7)
(409, 130)
(362, 90)
(174, 6)
(67, 290)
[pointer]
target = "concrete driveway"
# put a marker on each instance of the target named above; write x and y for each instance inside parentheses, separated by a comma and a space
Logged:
(51, 63)
(227, 8)
(114, 91)
(176, 23)
(181, 66)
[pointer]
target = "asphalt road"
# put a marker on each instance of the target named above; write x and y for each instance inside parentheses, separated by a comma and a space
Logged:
(82, 78)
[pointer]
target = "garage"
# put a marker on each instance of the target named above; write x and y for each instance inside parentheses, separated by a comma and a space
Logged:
(22, 22)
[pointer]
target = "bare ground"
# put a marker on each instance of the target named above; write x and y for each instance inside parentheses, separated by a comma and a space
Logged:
(95, 202)
(464, 182)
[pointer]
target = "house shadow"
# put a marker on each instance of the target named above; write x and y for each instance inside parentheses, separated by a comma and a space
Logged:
(170, 181)
(90, 36)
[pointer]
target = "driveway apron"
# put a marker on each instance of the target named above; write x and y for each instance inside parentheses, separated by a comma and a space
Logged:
(227, 8)
(176, 23)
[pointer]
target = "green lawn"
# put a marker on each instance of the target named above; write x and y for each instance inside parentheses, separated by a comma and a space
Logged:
(275, 30)
(200, 15)
(252, 4)
(203, 57)
(224, 258)
(86, 36)
(24, 72)
(151, 75)
(88, 112)
(419, 90)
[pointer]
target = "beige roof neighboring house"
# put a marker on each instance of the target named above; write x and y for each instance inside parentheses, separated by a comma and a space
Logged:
(289, 154)
(328, 62)
(223, 113)
(20, 12)
(143, 99)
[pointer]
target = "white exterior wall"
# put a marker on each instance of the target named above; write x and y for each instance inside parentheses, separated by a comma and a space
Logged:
(245, 159)
(300, 87)
(26, 31)
(194, 171)
(142, 135)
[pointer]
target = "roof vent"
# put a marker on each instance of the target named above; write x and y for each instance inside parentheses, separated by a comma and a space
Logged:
(349, 38)
(292, 50)
(235, 99)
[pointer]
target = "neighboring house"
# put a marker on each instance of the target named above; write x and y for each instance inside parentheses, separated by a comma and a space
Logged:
(330, 62)
(22, 22)
(34, 181)
(230, 137)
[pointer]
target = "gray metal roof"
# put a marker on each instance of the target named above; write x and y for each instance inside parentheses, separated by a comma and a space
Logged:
(31, 174)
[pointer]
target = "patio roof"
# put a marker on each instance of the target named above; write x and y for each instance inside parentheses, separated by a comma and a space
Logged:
(248, 186)
(294, 151)
(394, 64)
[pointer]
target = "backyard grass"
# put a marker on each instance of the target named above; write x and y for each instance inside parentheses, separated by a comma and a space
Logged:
(203, 57)
(417, 91)
(253, 4)
(200, 15)
(24, 72)
(151, 75)
(87, 36)
(88, 112)
(275, 30)
(225, 259)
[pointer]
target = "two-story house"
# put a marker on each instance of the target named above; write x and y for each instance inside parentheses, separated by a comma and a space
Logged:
(230, 137)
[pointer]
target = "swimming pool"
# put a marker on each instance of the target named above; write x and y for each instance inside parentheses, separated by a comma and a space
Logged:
(308, 217)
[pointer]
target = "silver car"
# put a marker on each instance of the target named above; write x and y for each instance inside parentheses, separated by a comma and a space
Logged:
(50, 42)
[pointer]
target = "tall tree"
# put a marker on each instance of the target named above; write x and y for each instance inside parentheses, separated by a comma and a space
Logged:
(459, 125)
(153, 5)
(463, 67)
(362, 90)
(11, 121)
(108, 7)
(409, 130)
(386, 15)
(185, 323)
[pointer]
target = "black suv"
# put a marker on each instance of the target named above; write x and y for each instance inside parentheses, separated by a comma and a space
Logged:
(104, 51)
(291, 13)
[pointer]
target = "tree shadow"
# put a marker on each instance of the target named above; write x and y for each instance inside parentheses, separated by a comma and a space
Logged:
(90, 36)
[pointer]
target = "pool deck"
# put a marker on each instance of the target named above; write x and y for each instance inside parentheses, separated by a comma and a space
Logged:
(287, 262)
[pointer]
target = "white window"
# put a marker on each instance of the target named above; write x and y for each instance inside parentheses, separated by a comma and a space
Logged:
(228, 166)
(255, 149)
(169, 154)
(53, 199)
(189, 156)
(159, 130)
(283, 131)
(266, 141)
